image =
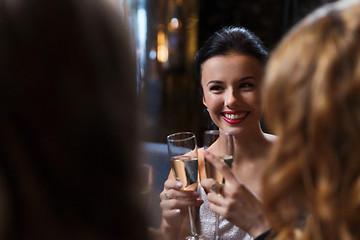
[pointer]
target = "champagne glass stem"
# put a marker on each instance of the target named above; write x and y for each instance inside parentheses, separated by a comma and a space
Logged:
(192, 222)
(217, 227)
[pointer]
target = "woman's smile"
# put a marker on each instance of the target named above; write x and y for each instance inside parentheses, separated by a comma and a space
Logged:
(234, 117)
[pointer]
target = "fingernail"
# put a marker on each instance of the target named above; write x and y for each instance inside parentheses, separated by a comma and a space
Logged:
(178, 184)
(176, 211)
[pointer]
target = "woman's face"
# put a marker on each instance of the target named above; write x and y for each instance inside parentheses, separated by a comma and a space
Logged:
(231, 85)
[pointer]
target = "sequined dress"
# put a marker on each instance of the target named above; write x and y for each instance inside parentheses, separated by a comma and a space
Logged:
(206, 223)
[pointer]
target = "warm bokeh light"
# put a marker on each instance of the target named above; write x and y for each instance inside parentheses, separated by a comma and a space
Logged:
(162, 47)
(174, 24)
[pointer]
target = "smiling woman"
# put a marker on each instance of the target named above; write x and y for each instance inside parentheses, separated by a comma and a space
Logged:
(230, 68)
(231, 85)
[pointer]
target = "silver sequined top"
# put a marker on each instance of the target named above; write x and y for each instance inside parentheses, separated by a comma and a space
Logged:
(206, 223)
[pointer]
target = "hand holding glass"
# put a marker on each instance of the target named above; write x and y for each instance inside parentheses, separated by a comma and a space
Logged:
(182, 149)
(221, 143)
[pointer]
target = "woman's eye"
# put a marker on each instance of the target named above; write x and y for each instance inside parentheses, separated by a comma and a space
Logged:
(216, 88)
(246, 86)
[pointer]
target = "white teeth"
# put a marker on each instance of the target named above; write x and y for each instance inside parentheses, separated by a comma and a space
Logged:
(234, 116)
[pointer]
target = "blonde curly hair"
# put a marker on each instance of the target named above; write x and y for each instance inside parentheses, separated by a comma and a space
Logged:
(312, 103)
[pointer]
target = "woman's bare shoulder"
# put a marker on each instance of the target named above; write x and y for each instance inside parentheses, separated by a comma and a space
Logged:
(270, 137)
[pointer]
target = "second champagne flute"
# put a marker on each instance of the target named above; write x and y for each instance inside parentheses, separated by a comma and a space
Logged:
(221, 143)
(184, 163)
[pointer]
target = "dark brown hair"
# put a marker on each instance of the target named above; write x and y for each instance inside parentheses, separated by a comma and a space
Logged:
(67, 133)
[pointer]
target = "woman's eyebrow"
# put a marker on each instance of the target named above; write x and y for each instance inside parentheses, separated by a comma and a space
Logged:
(246, 78)
(214, 82)
(220, 82)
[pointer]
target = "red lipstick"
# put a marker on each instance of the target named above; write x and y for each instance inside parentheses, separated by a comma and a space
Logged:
(234, 117)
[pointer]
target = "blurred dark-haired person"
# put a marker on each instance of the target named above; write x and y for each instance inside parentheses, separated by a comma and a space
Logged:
(68, 141)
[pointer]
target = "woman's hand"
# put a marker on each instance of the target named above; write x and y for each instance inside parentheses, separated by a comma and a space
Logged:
(174, 205)
(236, 203)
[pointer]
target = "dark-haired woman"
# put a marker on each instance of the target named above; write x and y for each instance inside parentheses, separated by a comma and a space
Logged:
(230, 67)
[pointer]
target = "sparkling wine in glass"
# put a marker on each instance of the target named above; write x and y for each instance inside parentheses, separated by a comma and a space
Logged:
(221, 143)
(182, 149)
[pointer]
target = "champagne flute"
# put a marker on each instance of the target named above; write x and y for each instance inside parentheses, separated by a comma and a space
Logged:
(221, 143)
(183, 154)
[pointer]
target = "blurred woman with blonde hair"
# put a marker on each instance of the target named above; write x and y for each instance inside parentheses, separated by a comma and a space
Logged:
(312, 103)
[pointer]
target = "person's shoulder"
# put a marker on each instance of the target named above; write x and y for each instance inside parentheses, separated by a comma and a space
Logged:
(270, 137)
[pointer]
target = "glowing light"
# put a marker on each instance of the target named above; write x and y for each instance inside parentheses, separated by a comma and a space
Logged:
(174, 23)
(162, 48)
(152, 54)
(163, 54)
(141, 33)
